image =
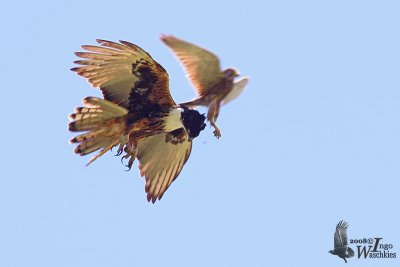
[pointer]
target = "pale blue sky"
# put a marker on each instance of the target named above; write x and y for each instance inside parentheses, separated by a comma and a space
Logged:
(314, 139)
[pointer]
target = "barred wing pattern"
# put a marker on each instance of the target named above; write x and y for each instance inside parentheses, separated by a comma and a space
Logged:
(161, 162)
(340, 238)
(119, 68)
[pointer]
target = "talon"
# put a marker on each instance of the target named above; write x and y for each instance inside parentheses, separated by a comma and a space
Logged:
(217, 133)
(129, 166)
(122, 142)
(130, 162)
(131, 154)
(120, 150)
(122, 159)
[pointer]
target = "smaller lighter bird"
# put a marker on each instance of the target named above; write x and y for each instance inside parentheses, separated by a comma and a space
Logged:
(213, 85)
(341, 248)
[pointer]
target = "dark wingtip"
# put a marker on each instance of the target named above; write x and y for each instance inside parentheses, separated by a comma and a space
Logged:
(103, 42)
(167, 37)
(151, 198)
(127, 43)
(72, 127)
(88, 99)
(85, 46)
(77, 150)
(164, 36)
(72, 116)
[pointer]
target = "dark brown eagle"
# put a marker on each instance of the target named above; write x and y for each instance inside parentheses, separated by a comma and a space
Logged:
(213, 85)
(137, 114)
(341, 248)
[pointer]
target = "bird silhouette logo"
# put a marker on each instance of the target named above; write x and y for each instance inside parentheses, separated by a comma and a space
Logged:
(341, 248)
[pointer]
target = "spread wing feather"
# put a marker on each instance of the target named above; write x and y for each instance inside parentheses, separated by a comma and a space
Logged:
(116, 68)
(160, 162)
(340, 238)
(202, 66)
(237, 89)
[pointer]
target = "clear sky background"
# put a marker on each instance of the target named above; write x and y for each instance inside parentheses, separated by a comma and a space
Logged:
(314, 139)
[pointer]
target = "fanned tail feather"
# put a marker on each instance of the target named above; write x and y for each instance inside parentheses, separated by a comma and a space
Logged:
(104, 123)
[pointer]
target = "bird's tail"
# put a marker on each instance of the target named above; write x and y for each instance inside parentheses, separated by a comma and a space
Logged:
(350, 252)
(104, 122)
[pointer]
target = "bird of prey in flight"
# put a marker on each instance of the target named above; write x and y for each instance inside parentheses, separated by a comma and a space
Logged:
(213, 85)
(137, 114)
(341, 248)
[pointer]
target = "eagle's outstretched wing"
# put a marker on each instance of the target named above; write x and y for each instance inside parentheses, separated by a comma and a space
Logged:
(340, 238)
(201, 66)
(160, 162)
(119, 68)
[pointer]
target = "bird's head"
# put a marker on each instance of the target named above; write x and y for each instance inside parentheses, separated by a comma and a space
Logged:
(231, 73)
(193, 122)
